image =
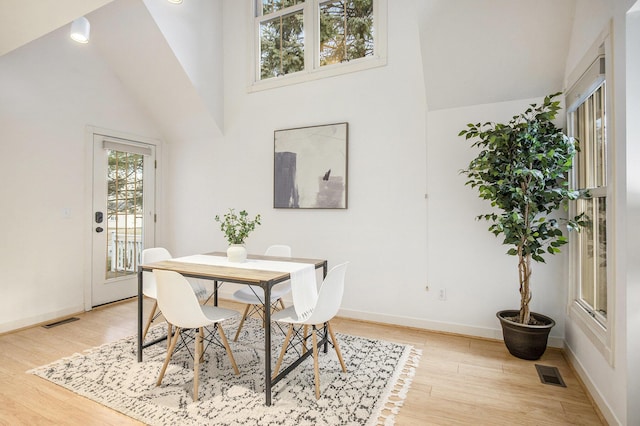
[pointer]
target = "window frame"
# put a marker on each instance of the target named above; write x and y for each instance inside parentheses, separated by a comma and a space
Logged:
(312, 69)
(599, 332)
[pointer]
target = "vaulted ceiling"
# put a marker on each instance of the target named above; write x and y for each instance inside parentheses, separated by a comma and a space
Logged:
(26, 20)
(473, 51)
(486, 51)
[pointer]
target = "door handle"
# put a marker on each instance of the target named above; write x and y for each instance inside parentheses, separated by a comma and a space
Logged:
(99, 229)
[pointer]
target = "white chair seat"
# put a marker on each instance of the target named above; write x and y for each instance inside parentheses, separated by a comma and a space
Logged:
(287, 315)
(216, 314)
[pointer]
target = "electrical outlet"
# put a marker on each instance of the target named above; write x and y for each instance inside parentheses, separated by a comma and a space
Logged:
(442, 294)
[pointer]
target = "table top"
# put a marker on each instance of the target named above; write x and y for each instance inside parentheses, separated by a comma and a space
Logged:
(231, 274)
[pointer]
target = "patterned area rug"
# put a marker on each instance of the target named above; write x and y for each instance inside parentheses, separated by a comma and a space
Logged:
(378, 376)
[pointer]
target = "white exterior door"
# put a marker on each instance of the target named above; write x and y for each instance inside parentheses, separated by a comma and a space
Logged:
(123, 221)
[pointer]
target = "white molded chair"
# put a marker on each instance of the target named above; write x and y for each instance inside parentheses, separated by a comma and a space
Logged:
(322, 310)
(252, 296)
(181, 308)
(152, 255)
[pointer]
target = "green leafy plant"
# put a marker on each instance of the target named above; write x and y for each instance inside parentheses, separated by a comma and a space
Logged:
(522, 169)
(236, 227)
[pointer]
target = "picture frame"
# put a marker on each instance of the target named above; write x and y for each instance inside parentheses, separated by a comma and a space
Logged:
(310, 167)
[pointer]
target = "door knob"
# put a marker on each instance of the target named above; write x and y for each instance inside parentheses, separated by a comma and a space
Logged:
(99, 229)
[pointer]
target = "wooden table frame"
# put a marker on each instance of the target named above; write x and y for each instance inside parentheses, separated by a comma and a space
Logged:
(220, 274)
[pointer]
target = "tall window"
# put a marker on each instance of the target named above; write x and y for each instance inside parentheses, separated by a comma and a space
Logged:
(587, 122)
(588, 126)
(306, 39)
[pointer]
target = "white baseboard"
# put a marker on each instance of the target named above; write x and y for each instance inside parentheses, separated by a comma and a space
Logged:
(604, 408)
(39, 319)
(487, 333)
(446, 327)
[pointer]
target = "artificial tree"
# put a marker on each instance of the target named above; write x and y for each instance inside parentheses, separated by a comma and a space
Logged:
(522, 169)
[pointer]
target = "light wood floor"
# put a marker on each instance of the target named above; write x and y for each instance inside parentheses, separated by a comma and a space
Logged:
(460, 380)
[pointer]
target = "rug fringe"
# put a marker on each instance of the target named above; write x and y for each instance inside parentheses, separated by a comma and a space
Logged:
(394, 397)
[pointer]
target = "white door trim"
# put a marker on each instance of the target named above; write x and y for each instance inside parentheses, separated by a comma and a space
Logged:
(90, 131)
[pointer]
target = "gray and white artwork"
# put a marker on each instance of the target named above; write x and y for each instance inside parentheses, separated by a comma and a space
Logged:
(310, 167)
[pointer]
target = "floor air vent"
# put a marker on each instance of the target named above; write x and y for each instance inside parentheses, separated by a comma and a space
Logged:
(550, 375)
(64, 321)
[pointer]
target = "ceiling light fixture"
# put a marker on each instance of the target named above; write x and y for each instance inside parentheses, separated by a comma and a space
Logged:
(80, 29)
(175, 1)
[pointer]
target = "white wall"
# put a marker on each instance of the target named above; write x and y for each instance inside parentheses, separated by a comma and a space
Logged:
(384, 228)
(398, 241)
(465, 258)
(193, 30)
(50, 90)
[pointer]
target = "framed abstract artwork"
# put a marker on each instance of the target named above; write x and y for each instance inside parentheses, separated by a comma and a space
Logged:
(310, 167)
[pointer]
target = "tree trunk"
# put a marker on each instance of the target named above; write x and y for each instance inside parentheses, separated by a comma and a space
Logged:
(524, 272)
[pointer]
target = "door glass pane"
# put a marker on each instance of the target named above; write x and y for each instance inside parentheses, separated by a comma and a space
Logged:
(282, 45)
(124, 212)
(346, 30)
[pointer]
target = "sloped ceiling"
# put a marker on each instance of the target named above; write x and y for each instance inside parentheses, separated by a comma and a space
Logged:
(131, 42)
(473, 51)
(22, 21)
(478, 52)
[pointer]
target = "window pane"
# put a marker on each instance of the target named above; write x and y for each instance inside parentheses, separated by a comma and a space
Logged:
(586, 260)
(281, 45)
(600, 257)
(346, 30)
(600, 146)
(589, 129)
(593, 259)
(270, 6)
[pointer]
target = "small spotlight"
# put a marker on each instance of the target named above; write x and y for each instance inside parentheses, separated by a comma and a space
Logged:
(80, 29)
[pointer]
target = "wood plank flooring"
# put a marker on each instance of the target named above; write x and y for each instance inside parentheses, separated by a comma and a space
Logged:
(460, 380)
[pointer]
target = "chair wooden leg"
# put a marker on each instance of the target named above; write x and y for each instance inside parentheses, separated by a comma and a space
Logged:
(281, 304)
(169, 330)
(228, 348)
(305, 333)
(150, 320)
(284, 349)
(336, 347)
(316, 371)
(201, 344)
(196, 362)
(170, 349)
(244, 316)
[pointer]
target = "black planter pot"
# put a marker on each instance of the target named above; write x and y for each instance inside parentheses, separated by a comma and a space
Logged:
(525, 341)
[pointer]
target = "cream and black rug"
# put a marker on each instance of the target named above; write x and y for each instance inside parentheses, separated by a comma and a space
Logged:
(370, 393)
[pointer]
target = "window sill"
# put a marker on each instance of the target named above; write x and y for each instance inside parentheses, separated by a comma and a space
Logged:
(316, 74)
(595, 332)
